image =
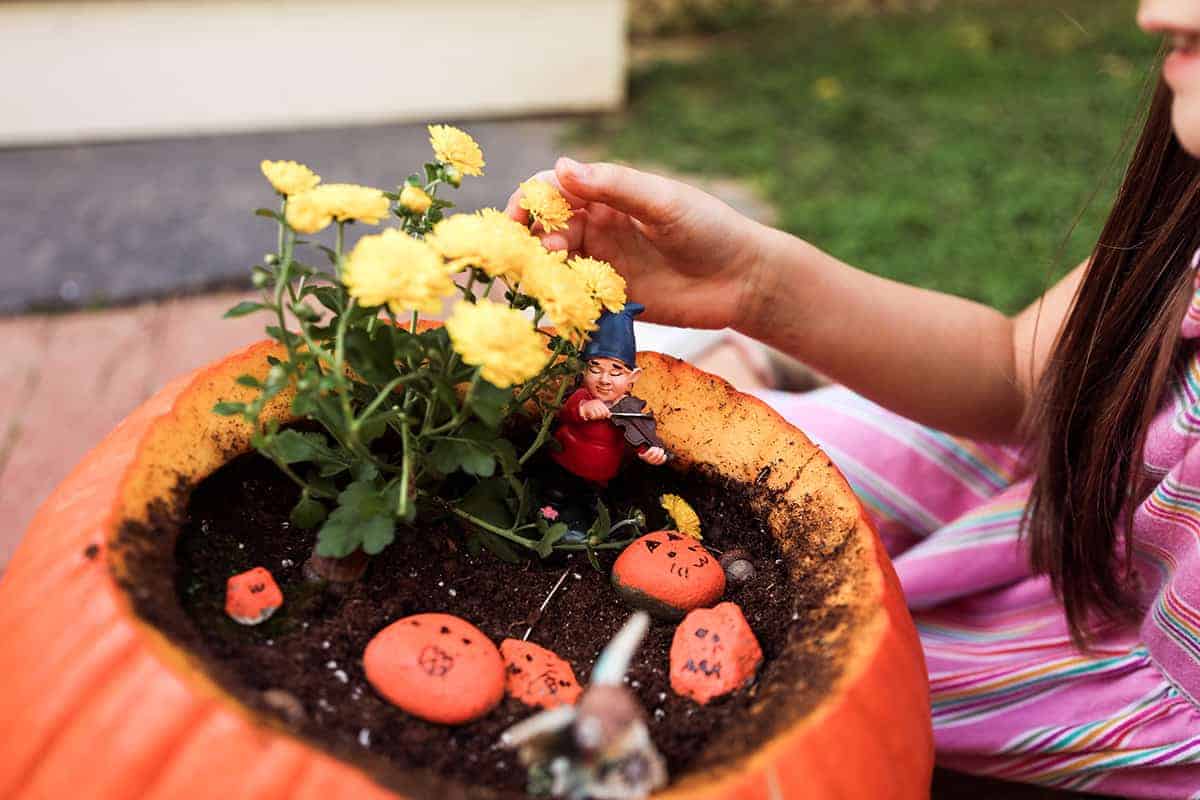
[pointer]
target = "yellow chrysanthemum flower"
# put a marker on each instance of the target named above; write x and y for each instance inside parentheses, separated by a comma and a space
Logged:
(686, 520)
(563, 295)
(289, 177)
(499, 340)
(489, 240)
(396, 269)
(545, 204)
(307, 212)
(602, 281)
(456, 148)
(348, 201)
(310, 211)
(415, 199)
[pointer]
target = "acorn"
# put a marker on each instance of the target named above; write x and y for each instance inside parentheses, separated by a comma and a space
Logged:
(739, 569)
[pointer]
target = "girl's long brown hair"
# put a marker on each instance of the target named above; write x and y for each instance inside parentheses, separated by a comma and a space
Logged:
(1106, 377)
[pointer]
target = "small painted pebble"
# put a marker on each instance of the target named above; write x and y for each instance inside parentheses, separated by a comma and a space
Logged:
(252, 596)
(437, 667)
(668, 574)
(739, 569)
(714, 652)
(536, 676)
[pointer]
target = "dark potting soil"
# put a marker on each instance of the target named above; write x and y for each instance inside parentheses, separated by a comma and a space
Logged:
(303, 666)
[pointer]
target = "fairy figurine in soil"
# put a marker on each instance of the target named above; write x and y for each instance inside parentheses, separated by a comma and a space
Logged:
(601, 422)
(600, 748)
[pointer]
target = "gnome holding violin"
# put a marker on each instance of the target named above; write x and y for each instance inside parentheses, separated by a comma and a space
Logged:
(601, 423)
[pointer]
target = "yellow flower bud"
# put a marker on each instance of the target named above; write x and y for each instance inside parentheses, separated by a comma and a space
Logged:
(415, 200)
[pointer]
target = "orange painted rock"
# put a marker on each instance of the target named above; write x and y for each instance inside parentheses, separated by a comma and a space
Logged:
(436, 667)
(714, 652)
(252, 596)
(668, 574)
(537, 676)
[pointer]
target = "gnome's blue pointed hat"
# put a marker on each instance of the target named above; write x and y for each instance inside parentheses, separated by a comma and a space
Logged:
(613, 337)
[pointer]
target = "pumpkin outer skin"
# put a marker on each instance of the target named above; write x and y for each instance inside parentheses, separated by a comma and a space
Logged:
(79, 664)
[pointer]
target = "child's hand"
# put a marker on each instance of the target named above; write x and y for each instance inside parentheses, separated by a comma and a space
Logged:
(689, 258)
(594, 409)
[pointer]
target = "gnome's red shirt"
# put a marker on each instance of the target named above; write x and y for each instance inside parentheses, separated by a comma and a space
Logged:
(591, 449)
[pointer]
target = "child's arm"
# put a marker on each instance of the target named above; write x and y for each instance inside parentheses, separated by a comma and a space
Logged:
(950, 363)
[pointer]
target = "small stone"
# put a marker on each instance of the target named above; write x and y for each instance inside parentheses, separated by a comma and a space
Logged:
(252, 597)
(437, 667)
(325, 645)
(364, 737)
(285, 703)
(668, 574)
(714, 652)
(341, 675)
(739, 569)
(287, 562)
(331, 665)
(536, 676)
(454, 593)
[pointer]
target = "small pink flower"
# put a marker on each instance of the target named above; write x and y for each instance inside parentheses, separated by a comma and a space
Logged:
(549, 512)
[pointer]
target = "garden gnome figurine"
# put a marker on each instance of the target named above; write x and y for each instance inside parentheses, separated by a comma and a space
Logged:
(599, 749)
(601, 418)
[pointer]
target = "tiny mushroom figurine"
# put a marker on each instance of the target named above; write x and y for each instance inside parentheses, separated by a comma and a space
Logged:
(601, 747)
(252, 597)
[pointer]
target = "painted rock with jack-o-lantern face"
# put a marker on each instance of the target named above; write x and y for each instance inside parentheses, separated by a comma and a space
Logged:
(668, 574)
(437, 667)
(714, 652)
(538, 677)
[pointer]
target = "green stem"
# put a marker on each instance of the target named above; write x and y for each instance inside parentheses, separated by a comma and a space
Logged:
(460, 416)
(544, 431)
(383, 395)
(504, 533)
(339, 241)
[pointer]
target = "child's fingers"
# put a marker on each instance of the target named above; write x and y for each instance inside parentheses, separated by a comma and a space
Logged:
(650, 198)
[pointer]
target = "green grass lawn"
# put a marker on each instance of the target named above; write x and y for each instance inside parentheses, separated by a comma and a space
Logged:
(952, 148)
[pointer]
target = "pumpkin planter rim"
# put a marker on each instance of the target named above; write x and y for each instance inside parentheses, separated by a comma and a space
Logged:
(884, 669)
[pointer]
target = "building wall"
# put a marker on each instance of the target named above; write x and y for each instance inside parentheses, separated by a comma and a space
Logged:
(112, 69)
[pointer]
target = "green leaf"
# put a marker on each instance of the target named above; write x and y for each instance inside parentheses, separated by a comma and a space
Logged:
(498, 547)
(471, 457)
(370, 355)
(243, 308)
(485, 501)
(555, 532)
(308, 513)
(593, 560)
(377, 533)
(372, 429)
(249, 380)
(291, 446)
(488, 402)
(327, 296)
(329, 252)
(269, 213)
(360, 506)
(603, 524)
(226, 409)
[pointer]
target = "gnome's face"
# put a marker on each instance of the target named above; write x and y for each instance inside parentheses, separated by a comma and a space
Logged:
(608, 379)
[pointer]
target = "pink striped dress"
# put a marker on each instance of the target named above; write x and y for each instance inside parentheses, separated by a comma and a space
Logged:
(1011, 697)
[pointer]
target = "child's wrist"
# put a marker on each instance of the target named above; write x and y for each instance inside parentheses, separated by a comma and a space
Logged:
(761, 281)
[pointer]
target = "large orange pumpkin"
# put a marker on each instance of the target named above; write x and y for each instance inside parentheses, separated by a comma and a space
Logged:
(98, 704)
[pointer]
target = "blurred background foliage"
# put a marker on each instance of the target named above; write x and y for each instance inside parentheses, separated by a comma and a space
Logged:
(951, 145)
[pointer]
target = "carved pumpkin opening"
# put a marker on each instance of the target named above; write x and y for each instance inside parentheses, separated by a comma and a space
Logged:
(302, 669)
